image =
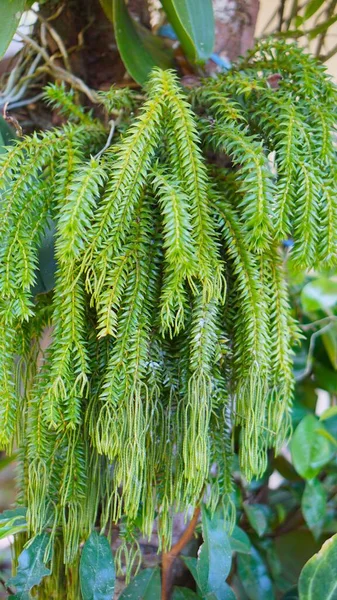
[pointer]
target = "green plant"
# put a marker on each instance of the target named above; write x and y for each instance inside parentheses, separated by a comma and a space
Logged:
(172, 328)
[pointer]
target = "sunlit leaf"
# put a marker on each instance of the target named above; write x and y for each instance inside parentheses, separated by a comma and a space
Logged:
(10, 15)
(310, 451)
(319, 294)
(193, 22)
(318, 579)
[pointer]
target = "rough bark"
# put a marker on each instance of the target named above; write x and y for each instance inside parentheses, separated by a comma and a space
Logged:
(235, 22)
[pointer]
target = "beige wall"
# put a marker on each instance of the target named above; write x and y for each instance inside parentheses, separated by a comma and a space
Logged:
(267, 9)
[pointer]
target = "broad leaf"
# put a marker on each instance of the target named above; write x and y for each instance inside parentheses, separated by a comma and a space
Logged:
(13, 521)
(254, 576)
(319, 294)
(240, 541)
(314, 506)
(191, 564)
(257, 517)
(193, 22)
(215, 555)
(140, 51)
(180, 593)
(10, 12)
(318, 579)
(329, 339)
(146, 586)
(31, 567)
(97, 569)
(310, 450)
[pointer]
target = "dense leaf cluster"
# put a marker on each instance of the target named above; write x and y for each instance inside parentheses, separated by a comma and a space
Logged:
(170, 317)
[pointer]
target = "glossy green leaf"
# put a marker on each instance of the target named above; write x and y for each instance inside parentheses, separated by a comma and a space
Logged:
(257, 517)
(181, 593)
(240, 541)
(10, 12)
(215, 555)
(319, 294)
(310, 451)
(31, 567)
(312, 7)
(97, 569)
(329, 339)
(313, 505)
(318, 579)
(13, 521)
(254, 576)
(193, 22)
(140, 51)
(146, 586)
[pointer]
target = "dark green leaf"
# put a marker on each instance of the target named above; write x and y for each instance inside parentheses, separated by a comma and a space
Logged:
(257, 517)
(310, 451)
(180, 593)
(10, 15)
(215, 555)
(329, 339)
(7, 134)
(31, 568)
(324, 378)
(318, 579)
(45, 275)
(97, 569)
(240, 541)
(146, 586)
(291, 594)
(191, 564)
(314, 506)
(193, 22)
(254, 576)
(139, 54)
(319, 294)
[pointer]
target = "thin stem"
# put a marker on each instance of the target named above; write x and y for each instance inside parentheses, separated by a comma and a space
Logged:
(168, 558)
